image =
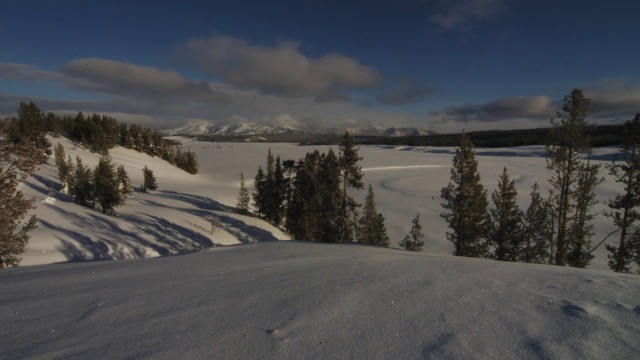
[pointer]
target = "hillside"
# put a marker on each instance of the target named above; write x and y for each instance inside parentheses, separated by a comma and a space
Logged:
(298, 300)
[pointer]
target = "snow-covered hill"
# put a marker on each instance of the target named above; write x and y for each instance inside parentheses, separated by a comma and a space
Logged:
(298, 300)
(211, 129)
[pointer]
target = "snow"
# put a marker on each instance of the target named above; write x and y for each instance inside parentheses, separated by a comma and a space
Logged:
(298, 300)
(291, 299)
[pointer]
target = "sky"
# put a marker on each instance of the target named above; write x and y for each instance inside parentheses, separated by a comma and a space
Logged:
(444, 65)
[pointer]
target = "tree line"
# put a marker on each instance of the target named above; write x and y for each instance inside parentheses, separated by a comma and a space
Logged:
(557, 229)
(98, 133)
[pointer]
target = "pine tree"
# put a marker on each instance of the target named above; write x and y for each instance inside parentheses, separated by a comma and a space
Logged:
(504, 223)
(302, 218)
(351, 178)
(279, 193)
(106, 184)
(289, 167)
(371, 228)
(17, 162)
(413, 241)
(381, 232)
(149, 179)
(29, 128)
(328, 197)
(536, 229)
(582, 230)
(624, 207)
(64, 167)
(242, 206)
(572, 180)
(259, 193)
(124, 183)
(465, 203)
(82, 185)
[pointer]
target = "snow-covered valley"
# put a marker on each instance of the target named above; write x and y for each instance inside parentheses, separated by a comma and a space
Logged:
(271, 299)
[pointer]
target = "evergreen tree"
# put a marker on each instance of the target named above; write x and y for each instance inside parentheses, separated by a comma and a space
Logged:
(351, 178)
(273, 190)
(149, 179)
(82, 185)
(302, 218)
(296, 202)
(504, 223)
(65, 168)
(242, 206)
(191, 164)
(582, 230)
(572, 180)
(289, 167)
(328, 197)
(536, 230)
(107, 193)
(465, 203)
(259, 193)
(413, 240)
(279, 193)
(624, 207)
(29, 128)
(381, 232)
(17, 162)
(124, 183)
(371, 228)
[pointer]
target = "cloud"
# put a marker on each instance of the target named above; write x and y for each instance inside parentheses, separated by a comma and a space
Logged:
(409, 93)
(280, 70)
(462, 13)
(23, 72)
(616, 100)
(533, 108)
(119, 78)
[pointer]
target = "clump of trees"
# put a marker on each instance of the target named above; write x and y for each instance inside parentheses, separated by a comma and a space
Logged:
(312, 197)
(107, 185)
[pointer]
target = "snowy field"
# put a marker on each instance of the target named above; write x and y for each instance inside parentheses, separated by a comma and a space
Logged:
(295, 300)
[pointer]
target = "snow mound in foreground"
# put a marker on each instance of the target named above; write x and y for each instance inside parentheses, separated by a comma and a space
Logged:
(295, 300)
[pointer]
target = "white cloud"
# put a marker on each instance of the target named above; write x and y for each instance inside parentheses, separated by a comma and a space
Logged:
(119, 78)
(281, 70)
(617, 100)
(23, 72)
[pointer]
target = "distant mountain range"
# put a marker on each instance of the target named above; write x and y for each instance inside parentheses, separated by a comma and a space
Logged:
(250, 129)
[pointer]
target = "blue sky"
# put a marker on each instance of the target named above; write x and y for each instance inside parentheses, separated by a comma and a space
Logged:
(445, 65)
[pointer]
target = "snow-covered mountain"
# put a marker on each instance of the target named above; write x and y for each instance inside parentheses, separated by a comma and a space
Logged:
(211, 129)
(207, 128)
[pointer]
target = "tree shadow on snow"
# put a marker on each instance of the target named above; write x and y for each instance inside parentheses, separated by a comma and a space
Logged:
(244, 232)
(145, 236)
(130, 236)
(200, 202)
